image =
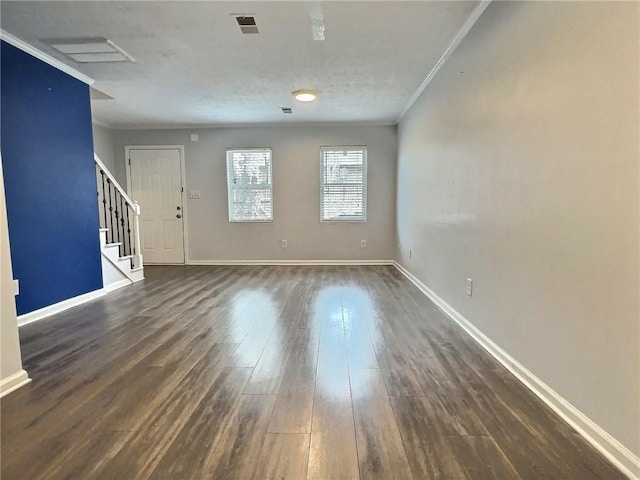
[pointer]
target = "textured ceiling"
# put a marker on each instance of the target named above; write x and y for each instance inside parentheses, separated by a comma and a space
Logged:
(194, 67)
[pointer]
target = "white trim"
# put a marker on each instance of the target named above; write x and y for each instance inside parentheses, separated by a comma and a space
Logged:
(457, 40)
(613, 450)
(59, 307)
(119, 284)
(290, 262)
(45, 57)
(13, 382)
(185, 205)
(183, 181)
(210, 126)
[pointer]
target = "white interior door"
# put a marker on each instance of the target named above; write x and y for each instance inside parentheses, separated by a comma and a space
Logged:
(156, 183)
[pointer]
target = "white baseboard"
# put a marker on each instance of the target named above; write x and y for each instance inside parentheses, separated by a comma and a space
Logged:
(59, 307)
(73, 302)
(13, 382)
(116, 285)
(290, 262)
(625, 460)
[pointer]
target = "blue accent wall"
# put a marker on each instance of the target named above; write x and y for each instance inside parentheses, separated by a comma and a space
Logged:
(50, 182)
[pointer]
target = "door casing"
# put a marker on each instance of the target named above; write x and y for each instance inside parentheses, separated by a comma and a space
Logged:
(127, 150)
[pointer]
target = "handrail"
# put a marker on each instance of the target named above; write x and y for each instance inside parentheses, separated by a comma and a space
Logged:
(131, 203)
(114, 214)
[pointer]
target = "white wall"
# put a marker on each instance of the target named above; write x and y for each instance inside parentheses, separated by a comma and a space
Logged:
(11, 373)
(103, 145)
(519, 167)
(296, 153)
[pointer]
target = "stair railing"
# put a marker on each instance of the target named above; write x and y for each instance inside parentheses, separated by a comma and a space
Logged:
(119, 214)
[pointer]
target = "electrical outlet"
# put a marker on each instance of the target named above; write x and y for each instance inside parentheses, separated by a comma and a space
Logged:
(363, 244)
(193, 137)
(469, 286)
(194, 194)
(283, 243)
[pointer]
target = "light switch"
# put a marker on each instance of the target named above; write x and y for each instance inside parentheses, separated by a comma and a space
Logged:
(194, 194)
(194, 137)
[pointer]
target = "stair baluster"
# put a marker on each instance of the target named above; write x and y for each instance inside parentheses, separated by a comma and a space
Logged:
(119, 215)
(113, 235)
(103, 224)
(115, 214)
(130, 251)
(125, 238)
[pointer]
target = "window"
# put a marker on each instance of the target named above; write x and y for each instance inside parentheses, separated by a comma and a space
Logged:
(343, 184)
(249, 185)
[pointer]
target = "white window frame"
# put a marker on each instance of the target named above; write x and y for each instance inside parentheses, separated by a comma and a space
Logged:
(351, 218)
(262, 186)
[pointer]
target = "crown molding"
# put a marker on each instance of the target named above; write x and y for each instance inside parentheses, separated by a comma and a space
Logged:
(457, 40)
(45, 57)
(199, 126)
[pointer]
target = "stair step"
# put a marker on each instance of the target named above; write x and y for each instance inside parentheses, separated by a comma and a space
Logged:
(103, 230)
(126, 257)
(136, 274)
(117, 244)
(137, 269)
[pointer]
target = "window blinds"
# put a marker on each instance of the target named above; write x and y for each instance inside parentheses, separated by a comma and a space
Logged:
(343, 184)
(249, 185)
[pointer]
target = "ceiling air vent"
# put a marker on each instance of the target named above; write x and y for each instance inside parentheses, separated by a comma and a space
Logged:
(286, 109)
(91, 50)
(247, 24)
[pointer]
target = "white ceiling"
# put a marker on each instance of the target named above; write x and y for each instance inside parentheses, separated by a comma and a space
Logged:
(194, 68)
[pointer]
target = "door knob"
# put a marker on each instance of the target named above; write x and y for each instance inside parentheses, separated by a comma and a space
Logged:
(178, 216)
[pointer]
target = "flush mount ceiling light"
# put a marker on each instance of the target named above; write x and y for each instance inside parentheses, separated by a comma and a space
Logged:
(304, 95)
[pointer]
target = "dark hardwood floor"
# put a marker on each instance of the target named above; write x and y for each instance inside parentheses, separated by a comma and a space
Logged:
(275, 373)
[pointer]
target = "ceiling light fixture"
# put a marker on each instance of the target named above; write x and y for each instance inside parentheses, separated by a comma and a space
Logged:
(304, 95)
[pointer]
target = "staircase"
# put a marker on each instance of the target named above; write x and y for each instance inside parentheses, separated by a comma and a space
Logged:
(119, 232)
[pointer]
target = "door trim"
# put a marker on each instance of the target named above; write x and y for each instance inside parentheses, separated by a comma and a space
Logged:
(183, 176)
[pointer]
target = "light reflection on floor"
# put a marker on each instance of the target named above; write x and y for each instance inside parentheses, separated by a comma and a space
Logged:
(341, 319)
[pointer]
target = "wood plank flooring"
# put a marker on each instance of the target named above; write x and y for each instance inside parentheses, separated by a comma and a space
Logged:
(275, 372)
